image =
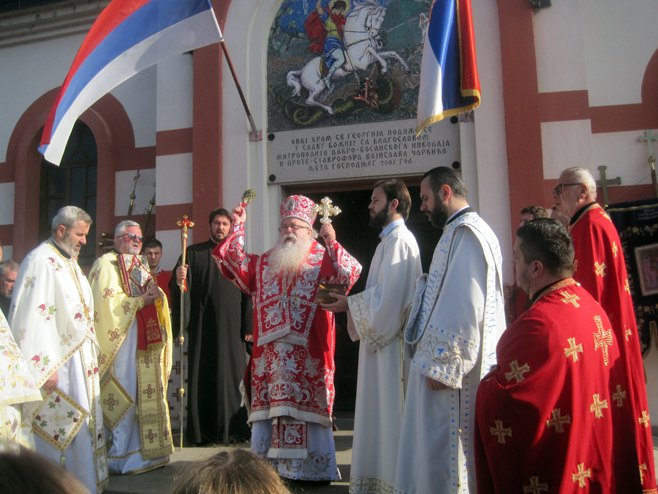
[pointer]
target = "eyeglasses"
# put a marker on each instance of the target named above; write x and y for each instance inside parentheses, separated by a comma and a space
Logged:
(558, 188)
(293, 227)
(134, 237)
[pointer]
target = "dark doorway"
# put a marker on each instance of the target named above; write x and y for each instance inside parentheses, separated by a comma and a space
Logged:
(71, 183)
(353, 233)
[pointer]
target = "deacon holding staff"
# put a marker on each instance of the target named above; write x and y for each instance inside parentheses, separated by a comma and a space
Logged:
(290, 380)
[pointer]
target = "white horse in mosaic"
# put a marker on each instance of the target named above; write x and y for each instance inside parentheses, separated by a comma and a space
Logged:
(362, 45)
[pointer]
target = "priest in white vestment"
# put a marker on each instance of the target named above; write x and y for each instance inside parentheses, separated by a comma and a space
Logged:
(134, 333)
(16, 386)
(375, 318)
(456, 319)
(52, 320)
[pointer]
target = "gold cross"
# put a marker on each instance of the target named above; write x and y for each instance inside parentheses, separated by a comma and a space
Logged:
(535, 487)
(644, 419)
(570, 298)
(500, 432)
(573, 349)
(602, 339)
(619, 396)
(581, 475)
(325, 209)
(615, 249)
(557, 419)
(628, 333)
(596, 406)
(599, 269)
(517, 372)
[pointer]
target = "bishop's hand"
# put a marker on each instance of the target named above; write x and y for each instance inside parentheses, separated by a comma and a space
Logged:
(327, 233)
(239, 215)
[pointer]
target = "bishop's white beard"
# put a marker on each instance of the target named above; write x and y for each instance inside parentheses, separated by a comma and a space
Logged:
(288, 256)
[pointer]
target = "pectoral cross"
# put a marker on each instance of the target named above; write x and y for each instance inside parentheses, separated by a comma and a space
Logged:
(649, 138)
(326, 209)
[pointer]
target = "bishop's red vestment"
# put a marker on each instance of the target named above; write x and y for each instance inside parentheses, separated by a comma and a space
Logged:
(601, 269)
(295, 379)
(555, 415)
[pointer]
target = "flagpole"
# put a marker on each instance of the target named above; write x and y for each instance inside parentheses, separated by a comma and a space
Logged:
(255, 134)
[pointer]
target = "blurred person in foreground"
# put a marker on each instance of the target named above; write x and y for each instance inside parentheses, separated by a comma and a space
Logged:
(236, 471)
(28, 472)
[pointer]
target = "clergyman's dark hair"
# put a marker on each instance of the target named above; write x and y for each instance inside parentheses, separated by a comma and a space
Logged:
(396, 189)
(442, 175)
(219, 212)
(547, 241)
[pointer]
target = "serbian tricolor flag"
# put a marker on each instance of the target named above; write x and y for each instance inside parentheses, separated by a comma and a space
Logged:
(449, 82)
(128, 36)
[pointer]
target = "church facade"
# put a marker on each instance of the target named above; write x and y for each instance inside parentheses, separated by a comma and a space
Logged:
(573, 83)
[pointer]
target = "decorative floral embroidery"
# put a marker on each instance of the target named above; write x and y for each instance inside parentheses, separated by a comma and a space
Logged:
(47, 311)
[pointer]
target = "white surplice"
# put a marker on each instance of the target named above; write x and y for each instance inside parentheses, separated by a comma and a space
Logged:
(52, 321)
(16, 386)
(378, 313)
(455, 322)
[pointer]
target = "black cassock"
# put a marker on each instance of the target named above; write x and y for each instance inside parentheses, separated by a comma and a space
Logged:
(217, 317)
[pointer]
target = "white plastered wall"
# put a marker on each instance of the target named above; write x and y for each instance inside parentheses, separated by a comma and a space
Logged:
(603, 47)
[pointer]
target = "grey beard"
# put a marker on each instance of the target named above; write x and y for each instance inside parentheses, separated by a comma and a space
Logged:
(288, 256)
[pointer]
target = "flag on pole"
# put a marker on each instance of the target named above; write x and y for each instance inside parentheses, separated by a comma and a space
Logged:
(128, 36)
(449, 82)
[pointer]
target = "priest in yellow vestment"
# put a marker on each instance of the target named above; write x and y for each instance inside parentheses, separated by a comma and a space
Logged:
(134, 333)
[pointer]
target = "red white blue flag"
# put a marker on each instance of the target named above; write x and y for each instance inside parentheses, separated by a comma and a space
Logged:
(128, 36)
(449, 82)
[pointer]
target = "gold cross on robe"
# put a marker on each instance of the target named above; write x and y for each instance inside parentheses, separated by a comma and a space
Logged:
(570, 298)
(619, 396)
(516, 372)
(573, 349)
(500, 432)
(581, 475)
(602, 339)
(557, 420)
(535, 487)
(597, 406)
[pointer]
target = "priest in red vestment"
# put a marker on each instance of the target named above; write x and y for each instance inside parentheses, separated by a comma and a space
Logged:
(601, 269)
(555, 414)
(290, 380)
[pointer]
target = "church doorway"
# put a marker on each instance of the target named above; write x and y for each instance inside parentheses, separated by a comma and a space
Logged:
(353, 233)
